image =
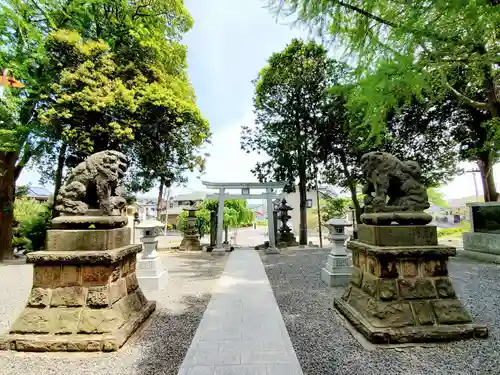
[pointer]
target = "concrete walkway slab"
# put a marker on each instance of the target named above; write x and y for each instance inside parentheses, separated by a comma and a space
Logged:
(242, 331)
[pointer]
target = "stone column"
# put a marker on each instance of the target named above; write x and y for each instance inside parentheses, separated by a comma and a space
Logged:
(85, 295)
(150, 270)
(338, 268)
(270, 224)
(219, 249)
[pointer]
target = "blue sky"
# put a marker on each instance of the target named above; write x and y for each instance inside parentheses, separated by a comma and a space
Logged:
(228, 45)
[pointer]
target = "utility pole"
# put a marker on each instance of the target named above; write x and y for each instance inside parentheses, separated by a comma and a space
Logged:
(319, 213)
(166, 209)
(474, 171)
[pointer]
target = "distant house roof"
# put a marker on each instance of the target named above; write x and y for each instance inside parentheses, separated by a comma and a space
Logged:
(38, 192)
(194, 196)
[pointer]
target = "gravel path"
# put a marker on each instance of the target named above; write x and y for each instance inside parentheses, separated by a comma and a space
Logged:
(324, 346)
(162, 342)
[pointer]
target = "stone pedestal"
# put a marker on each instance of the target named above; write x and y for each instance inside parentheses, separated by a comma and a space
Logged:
(338, 266)
(401, 294)
(81, 300)
(337, 270)
(150, 270)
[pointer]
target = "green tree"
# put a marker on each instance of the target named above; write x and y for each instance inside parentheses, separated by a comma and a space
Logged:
(417, 48)
(138, 55)
(236, 213)
(414, 133)
(289, 96)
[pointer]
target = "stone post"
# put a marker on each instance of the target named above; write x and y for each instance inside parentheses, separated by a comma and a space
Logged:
(338, 268)
(190, 240)
(150, 271)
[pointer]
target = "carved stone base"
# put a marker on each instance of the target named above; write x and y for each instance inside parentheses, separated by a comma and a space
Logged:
(80, 301)
(403, 294)
(190, 243)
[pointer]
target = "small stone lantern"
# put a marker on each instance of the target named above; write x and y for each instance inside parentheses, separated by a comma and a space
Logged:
(338, 266)
(150, 270)
(190, 240)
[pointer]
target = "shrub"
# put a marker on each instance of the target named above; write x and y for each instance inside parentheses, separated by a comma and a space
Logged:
(463, 227)
(33, 220)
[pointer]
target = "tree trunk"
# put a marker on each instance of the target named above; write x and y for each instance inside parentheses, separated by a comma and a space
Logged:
(352, 188)
(59, 174)
(159, 204)
(485, 163)
(303, 206)
(7, 196)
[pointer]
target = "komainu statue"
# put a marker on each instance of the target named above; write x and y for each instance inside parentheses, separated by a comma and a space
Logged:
(92, 185)
(394, 186)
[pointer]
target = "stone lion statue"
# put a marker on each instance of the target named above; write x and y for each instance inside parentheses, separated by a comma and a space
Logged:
(92, 184)
(389, 177)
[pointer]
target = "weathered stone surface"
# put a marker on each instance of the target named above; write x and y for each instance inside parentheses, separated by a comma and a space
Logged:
(388, 268)
(389, 314)
(408, 267)
(423, 312)
(66, 321)
(131, 281)
(444, 288)
(39, 297)
(361, 260)
(393, 215)
(116, 273)
(398, 235)
(71, 296)
(372, 266)
(434, 267)
(450, 311)
(33, 320)
(387, 289)
(87, 240)
(79, 192)
(399, 252)
(142, 298)
(117, 290)
(104, 257)
(358, 299)
(369, 284)
(71, 275)
(416, 288)
(96, 274)
(99, 321)
(356, 276)
(98, 296)
(347, 292)
(488, 243)
(46, 276)
(83, 222)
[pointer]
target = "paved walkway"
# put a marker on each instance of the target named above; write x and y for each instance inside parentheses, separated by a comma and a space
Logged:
(242, 331)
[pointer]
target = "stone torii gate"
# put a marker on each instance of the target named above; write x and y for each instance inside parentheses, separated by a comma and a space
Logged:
(245, 187)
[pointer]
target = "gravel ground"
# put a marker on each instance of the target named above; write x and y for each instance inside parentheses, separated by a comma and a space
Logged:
(324, 345)
(161, 343)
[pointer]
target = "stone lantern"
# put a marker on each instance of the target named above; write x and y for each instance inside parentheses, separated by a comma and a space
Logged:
(190, 240)
(149, 266)
(338, 268)
(285, 236)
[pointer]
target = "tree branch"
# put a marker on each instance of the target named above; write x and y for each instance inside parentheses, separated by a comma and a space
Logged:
(465, 99)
